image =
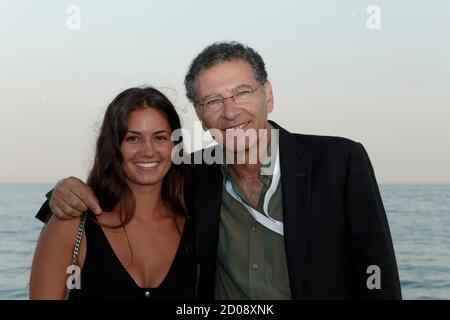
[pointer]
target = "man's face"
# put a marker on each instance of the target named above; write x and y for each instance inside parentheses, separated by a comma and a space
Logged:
(225, 80)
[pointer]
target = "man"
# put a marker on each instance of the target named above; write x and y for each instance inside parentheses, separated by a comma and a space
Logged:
(314, 228)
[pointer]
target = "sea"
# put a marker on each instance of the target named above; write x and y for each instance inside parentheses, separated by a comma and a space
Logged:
(418, 215)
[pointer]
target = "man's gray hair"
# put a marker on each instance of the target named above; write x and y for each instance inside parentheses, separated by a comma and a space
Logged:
(220, 52)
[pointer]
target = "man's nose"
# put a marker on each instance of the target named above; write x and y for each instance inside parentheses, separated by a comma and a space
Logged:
(230, 109)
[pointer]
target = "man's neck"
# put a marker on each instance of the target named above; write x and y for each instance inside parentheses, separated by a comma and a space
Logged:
(248, 171)
(245, 172)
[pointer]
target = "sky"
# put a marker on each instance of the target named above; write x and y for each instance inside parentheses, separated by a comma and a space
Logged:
(380, 77)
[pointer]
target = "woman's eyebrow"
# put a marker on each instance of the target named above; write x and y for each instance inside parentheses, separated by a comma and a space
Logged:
(161, 131)
(134, 132)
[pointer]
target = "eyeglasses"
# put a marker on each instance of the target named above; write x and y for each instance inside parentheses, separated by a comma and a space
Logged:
(241, 96)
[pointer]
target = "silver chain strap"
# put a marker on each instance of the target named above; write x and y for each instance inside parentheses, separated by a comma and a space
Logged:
(76, 250)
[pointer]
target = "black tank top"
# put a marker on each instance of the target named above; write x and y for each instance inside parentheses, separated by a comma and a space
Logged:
(104, 277)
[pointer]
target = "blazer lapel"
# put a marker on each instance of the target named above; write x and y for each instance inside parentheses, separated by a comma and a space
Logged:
(208, 197)
(295, 165)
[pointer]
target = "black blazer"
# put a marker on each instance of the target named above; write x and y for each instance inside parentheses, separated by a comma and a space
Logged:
(334, 222)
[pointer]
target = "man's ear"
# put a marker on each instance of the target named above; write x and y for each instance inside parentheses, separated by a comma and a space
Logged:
(269, 96)
(203, 125)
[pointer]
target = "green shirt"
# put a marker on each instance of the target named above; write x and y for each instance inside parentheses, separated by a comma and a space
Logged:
(251, 259)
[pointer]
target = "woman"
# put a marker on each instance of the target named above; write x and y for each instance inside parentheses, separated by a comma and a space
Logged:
(144, 246)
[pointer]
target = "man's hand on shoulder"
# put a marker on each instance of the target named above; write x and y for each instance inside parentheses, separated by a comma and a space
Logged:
(71, 197)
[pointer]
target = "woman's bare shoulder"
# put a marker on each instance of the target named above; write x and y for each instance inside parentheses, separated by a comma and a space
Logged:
(52, 257)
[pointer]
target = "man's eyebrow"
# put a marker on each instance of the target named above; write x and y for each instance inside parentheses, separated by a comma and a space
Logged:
(242, 86)
(215, 95)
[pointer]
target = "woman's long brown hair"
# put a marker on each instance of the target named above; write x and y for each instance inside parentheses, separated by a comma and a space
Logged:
(107, 178)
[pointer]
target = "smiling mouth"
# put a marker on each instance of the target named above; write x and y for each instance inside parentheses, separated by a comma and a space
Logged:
(241, 126)
(146, 165)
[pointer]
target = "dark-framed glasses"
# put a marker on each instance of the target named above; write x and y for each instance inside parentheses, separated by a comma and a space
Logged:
(242, 95)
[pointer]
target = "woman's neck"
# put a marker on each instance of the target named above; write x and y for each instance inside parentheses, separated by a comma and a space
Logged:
(149, 202)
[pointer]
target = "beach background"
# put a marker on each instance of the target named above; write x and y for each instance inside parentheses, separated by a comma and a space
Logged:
(419, 218)
(376, 72)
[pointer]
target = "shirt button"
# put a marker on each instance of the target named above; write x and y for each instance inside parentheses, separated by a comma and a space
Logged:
(254, 229)
(255, 266)
(147, 294)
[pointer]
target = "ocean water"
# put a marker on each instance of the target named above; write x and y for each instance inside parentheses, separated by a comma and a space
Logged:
(419, 218)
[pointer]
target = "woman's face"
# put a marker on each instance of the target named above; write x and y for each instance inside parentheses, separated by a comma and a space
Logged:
(146, 148)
